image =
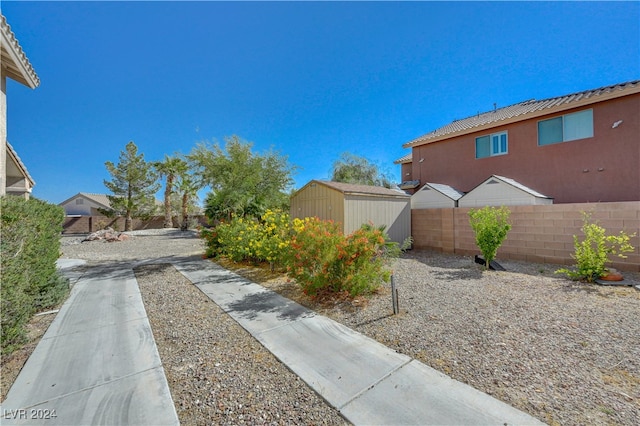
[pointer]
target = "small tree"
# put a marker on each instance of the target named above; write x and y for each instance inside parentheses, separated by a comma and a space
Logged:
(592, 253)
(350, 168)
(490, 224)
(170, 167)
(243, 183)
(134, 185)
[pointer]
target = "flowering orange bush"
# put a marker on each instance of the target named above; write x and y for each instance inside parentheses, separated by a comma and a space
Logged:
(321, 257)
(316, 253)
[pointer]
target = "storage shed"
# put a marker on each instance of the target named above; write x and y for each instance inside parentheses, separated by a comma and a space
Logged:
(354, 205)
(502, 191)
(435, 196)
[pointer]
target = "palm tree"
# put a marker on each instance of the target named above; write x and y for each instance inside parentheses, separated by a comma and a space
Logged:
(170, 167)
(187, 185)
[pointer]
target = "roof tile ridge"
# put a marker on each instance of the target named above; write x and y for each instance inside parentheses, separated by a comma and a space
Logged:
(6, 28)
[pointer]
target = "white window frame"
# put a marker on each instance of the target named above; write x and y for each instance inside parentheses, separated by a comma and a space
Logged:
(494, 152)
(588, 133)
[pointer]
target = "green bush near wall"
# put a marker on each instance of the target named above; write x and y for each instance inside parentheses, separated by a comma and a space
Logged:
(29, 247)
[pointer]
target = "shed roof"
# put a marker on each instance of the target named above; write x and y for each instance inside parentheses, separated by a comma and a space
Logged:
(354, 189)
(524, 110)
(515, 184)
(446, 190)
(14, 60)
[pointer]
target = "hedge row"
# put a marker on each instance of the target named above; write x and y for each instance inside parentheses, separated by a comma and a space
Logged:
(29, 248)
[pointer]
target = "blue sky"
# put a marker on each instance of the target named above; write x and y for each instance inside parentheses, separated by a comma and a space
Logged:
(311, 80)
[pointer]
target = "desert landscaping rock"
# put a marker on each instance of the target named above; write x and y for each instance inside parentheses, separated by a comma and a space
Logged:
(564, 352)
(217, 372)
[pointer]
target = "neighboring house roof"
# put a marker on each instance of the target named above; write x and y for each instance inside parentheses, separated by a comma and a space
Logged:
(447, 190)
(404, 160)
(11, 152)
(515, 184)
(14, 61)
(525, 110)
(353, 189)
(100, 199)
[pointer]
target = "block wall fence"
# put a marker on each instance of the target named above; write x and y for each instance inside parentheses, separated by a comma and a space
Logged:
(88, 224)
(539, 234)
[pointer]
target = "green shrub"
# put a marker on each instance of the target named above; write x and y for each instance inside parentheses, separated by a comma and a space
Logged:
(29, 248)
(490, 225)
(592, 253)
(316, 253)
(247, 239)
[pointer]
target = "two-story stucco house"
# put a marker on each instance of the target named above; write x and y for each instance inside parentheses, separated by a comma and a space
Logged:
(581, 147)
(14, 64)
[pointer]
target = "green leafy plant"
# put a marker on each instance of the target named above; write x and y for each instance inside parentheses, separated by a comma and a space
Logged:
(592, 253)
(248, 239)
(29, 248)
(490, 225)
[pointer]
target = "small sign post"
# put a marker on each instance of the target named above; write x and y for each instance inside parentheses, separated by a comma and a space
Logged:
(394, 296)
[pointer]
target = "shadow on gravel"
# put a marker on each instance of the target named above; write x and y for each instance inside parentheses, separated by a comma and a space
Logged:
(374, 320)
(458, 274)
(269, 302)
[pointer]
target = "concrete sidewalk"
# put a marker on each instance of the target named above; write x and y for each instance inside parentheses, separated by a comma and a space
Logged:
(98, 362)
(369, 383)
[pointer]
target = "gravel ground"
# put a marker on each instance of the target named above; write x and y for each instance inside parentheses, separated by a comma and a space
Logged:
(217, 372)
(564, 352)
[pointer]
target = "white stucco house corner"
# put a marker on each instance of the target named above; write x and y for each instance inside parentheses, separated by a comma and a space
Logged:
(14, 64)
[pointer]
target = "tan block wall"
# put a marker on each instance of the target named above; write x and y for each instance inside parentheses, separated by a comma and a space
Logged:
(88, 224)
(541, 234)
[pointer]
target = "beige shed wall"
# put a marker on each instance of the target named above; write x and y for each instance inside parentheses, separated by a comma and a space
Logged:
(395, 213)
(318, 200)
(499, 194)
(428, 198)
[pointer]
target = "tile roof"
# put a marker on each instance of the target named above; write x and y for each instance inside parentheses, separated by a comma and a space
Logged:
(100, 199)
(14, 60)
(350, 188)
(97, 198)
(403, 160)
(524, 110)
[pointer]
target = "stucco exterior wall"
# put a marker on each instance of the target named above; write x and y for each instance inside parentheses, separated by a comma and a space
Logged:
(541, 234)
(3, 132)
(87, 208)
(603, 168)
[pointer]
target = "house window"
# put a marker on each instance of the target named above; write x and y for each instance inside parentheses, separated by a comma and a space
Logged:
(490, 145)
(79, 201)
(569, 127)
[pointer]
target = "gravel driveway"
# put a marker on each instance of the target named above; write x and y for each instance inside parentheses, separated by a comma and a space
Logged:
(565, 352)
